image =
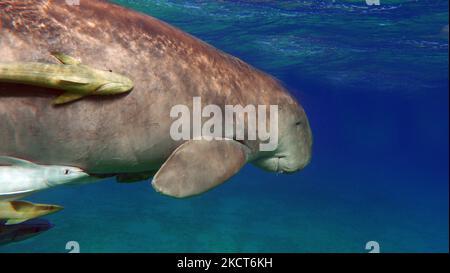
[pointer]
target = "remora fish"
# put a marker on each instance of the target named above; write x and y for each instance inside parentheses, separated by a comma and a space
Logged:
(15, 233)
(75, 79)
(21, 178)
(16, 212)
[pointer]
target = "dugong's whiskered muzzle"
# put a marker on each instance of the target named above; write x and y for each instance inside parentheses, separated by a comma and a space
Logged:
(297, 149)
(287, 163)
(294, 148)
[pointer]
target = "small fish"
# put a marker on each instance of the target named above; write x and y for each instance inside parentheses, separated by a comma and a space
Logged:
(15, 233)
(21, 178)
(71, 76)
(16, 212)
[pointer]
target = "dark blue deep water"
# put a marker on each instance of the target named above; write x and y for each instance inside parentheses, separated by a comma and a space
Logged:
(374, 82)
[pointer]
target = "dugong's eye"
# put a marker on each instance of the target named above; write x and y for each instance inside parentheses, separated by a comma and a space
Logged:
(66, 171)
(298, 123)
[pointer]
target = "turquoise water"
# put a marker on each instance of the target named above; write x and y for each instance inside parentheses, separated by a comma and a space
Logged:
(374, 83)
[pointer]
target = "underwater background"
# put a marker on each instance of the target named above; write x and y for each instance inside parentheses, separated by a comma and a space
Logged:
(374, 83)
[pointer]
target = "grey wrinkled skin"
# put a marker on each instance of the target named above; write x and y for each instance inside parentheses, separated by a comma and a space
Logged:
(127, 133)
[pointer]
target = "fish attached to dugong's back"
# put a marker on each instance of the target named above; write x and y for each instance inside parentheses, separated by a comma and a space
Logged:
(71, 76)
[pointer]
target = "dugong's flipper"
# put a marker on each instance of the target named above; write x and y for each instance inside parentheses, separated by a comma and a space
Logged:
(199, 165)
(16, 212)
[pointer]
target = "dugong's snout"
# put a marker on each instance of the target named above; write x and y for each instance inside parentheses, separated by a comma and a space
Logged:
(294, 150)
(297, 148)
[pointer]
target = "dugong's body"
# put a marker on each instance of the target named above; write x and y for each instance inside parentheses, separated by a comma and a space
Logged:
(130, 133)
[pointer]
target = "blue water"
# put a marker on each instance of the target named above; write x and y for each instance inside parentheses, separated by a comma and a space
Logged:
(374, 82)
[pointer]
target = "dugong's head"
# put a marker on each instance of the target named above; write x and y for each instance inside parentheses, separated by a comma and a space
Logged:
(294, 148)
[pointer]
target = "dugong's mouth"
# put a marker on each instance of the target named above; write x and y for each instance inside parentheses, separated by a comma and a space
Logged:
(274, 164)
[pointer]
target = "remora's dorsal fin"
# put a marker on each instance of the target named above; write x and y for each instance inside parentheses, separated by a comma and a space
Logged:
(22, 205)
(19, 206)
(17, 162)
(65, 59)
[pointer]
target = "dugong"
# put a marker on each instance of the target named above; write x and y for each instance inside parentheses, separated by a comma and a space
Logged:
(130, 134)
